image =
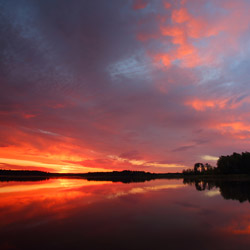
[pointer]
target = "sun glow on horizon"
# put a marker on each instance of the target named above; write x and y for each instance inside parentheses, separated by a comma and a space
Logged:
(60, 168)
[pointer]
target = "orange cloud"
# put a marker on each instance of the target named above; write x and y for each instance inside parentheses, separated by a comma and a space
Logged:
(237, 126)
(217, 103)
(227, 127)
(184, 51)
(201, 105)
(186, 30)
(180, 16)
(164, 58)
(238, 130)
(46, 151)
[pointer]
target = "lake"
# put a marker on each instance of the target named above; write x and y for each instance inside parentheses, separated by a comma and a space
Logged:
(159, 214)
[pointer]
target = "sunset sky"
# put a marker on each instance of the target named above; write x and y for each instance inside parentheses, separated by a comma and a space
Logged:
(148, 85)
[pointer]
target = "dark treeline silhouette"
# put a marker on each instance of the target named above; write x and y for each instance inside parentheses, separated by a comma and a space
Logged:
(125, 176)
(229, 189)
(229, 164)
(4, 172)
(234, 164)
(22, 178)
(200, 168)
(23, 175)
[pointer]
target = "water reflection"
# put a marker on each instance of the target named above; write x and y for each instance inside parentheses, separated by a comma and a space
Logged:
(229, 189)
(78, 214)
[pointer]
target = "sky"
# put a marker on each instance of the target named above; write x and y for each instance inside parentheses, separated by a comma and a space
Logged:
(151, 85)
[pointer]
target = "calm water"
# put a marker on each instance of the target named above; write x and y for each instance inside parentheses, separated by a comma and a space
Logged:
(161, 214)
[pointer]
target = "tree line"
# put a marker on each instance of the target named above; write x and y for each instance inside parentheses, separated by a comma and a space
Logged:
(230, 164)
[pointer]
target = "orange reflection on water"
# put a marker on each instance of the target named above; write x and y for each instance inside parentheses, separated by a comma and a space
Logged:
(60, 197)
(239, 225)
(54, 197)
(78, 212)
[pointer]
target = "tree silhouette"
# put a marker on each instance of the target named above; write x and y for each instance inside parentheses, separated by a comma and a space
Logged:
(234, 164)
(199, 167)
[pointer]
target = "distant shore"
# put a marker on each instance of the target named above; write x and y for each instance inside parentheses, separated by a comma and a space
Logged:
(125, 176)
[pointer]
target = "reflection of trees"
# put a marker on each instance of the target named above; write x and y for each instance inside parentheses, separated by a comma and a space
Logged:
(203, 185)
(236, 190)
(230, 190)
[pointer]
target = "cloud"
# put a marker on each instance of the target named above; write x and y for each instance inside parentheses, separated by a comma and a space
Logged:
(156, 88)
(201, 105)
(210, 158)
(201, 36)
(183, 148)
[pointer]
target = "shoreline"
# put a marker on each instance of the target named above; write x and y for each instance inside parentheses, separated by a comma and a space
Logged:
(125, 176)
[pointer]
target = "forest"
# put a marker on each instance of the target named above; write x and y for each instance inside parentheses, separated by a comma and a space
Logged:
(230, 164)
